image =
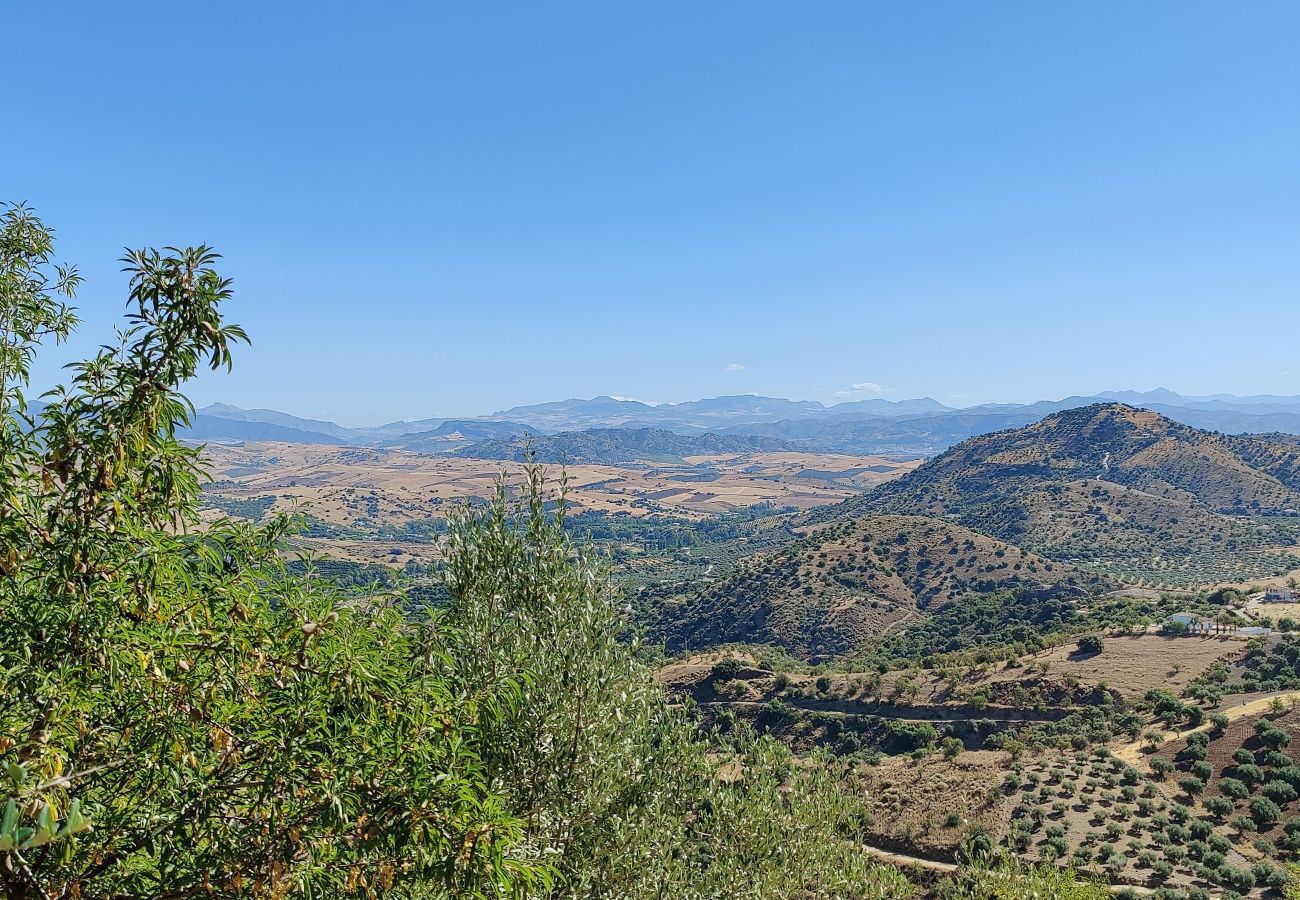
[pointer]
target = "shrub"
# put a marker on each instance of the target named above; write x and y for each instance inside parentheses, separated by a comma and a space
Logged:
(1279, 791)
(1251, 773)
(1218, 806)
(1264, 811)
(1090, 644)
(1237, 879)
(1275, 759)
(726, 669)
(190, 690)
(1234, 788)
(1160, 767)
(1269, 875)
(1274, 738)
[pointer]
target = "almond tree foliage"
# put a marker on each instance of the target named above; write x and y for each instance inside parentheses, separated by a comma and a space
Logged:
(178, 717)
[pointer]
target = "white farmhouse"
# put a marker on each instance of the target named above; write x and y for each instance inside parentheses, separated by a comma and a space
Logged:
(1277, 593)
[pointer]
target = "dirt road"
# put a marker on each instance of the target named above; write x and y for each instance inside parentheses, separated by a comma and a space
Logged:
(1136, 751)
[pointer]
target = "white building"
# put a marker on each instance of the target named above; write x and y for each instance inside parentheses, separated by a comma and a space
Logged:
(1190, 621)
(1277, 593)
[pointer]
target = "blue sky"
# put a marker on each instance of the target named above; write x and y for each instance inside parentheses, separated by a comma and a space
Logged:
(440, 209)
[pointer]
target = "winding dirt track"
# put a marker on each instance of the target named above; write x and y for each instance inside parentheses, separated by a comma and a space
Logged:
(943, 868)
(1135, 753)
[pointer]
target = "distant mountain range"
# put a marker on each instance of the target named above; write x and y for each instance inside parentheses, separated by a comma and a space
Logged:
(918, 427)
(611, 446)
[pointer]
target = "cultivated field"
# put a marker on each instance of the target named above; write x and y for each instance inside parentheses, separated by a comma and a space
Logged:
(378, 491)
(1130, 664)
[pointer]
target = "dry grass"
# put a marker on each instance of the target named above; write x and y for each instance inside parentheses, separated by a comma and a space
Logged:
(345, 485)
(1130, 664)
(928, 805)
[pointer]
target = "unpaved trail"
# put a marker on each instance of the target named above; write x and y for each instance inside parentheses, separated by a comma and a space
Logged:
(903, 859)
(944, 868)
(1134, 752)
(890, 711)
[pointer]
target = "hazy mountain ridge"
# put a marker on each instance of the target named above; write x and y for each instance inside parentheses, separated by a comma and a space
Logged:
(217, 428)
(617, 445)
(922, 426)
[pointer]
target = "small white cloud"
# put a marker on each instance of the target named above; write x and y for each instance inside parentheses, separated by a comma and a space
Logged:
(733, 367)
(862, 389)
(1285, 373)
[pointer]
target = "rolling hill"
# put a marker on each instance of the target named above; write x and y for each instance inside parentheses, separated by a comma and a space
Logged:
(454, 434)
(830, 592)
(1102, 479)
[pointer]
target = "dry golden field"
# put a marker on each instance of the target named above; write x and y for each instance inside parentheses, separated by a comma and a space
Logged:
(368, 488)
(1131, 664)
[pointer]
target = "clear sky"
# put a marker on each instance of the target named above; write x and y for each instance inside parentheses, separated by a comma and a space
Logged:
(440, 209)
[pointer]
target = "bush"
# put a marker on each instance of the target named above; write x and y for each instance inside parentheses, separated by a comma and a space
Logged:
(1244, 824)
(190, 689)
(1264, 811)
(1090, 644)
(726, 669)
(1234, 788)
(1218, 806)
(1251, 773)
(1269, 875)
(1237, 879)
(1275, 759)
(1274, 738)
(1279, 791)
